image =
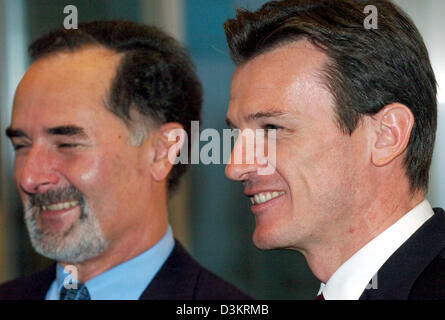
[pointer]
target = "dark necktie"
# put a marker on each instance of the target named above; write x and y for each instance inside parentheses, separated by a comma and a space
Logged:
(81, 293)
(320, 297)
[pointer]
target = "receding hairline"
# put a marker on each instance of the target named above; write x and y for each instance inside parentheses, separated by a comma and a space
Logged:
(323, 62)
(114, 59)
(97, 55)
(90, 47)
(137, 124)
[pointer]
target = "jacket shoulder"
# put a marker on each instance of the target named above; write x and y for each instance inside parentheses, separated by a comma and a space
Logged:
(430, 285)
(183, 278)
(31, 287)
(209, 286)
(415, 270)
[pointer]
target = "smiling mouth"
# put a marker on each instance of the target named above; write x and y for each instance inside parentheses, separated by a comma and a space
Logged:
(60, 206)
(263, 197)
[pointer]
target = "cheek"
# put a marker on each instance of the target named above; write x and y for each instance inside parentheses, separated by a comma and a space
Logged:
(109, 178)
(96, 178)
(18, 165)
(313, 166)
(89, 171)
(17, 173)
(86, 173)
(99, 169)
(81, 168)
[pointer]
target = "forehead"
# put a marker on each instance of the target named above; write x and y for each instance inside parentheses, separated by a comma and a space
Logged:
(68, 85)
(282, 78)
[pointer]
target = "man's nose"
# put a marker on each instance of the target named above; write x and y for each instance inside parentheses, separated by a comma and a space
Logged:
(242, 160)
(37, 174)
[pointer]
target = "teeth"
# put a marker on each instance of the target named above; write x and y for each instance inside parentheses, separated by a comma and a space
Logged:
(265, 196)
(262, 197)
(60, 206)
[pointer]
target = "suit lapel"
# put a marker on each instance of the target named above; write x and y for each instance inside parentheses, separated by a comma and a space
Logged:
(35, 286)
(177, 278)
(400, 271)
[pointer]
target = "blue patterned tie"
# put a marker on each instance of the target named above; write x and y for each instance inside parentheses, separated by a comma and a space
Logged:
(81, 293)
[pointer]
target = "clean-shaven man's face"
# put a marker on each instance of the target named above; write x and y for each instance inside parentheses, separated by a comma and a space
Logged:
(75, 170)
(317, 169)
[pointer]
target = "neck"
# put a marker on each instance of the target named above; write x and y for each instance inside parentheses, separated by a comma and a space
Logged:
(371, 219)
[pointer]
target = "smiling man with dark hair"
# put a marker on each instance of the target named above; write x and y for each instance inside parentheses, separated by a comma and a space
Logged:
(354, 142)
(90, 126)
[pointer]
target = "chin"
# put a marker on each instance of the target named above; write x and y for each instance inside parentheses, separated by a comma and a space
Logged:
(265, 240)
(269, 236)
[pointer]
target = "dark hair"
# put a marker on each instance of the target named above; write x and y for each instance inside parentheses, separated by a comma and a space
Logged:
(155, 76)
(368, 69)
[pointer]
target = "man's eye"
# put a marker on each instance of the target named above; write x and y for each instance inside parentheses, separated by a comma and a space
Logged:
(18, 147)
(67, 145)
(272, 126)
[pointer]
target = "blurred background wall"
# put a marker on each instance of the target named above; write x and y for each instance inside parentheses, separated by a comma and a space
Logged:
(209, 214)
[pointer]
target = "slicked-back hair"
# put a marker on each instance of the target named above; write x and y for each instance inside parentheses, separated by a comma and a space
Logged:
(367, 70)
(155, 77)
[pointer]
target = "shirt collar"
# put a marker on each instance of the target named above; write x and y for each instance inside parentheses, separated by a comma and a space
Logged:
(354, 276)
(126, 281)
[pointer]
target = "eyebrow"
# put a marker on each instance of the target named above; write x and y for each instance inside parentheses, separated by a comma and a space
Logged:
(259, 115)
(265, 114)
(69, 130)
(14, 133)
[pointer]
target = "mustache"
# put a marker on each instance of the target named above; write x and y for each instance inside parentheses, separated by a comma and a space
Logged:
(70, 193)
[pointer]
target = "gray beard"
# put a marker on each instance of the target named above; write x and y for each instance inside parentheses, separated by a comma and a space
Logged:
(82, 241)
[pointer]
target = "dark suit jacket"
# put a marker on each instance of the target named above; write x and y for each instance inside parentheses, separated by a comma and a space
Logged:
(416, 270)
(180, 278)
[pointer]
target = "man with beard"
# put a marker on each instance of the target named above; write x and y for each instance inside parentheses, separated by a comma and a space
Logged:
(90, 127)
(355, 115)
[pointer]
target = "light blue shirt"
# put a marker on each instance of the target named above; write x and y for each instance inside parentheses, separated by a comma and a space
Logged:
(126, 281)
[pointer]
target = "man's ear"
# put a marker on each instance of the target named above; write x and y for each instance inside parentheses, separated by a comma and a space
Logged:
(167, 143)
(394, 125)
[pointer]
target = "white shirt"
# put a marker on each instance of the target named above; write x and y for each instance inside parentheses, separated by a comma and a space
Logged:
(353, 276)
